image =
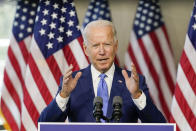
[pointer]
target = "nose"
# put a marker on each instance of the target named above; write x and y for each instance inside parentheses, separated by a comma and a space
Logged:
(101, 49)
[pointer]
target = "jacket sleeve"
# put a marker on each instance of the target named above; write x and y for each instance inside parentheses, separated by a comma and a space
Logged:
(52, 113)
(150, 114)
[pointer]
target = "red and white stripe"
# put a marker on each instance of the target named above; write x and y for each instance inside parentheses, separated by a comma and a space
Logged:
(153, 58)
(184, 101)
(12, 99)
(43, 75)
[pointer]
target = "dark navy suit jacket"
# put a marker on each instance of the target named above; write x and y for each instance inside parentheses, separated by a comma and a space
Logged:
(80, 105)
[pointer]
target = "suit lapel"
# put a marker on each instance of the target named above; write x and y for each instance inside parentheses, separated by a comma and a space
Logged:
(87, 83)
(117, 88)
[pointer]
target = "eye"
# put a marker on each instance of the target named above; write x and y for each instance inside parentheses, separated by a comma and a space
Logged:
(95, 45)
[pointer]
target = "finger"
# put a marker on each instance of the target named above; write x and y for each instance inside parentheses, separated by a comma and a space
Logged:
(68, 74)
(65, 80)
(125, 75)
(134, 74)
(69, 69)
(78, 75)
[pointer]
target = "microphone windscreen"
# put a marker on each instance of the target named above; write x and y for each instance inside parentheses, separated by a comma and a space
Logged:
(117, 100)
(97, 99)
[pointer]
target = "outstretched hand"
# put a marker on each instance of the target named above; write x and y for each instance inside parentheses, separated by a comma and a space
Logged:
(132, 82)
(69, 83)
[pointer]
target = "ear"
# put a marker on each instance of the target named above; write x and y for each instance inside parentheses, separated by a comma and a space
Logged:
(116, 46)
(85, 49)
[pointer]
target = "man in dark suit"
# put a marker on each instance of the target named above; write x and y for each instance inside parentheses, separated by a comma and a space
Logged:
(77, 90)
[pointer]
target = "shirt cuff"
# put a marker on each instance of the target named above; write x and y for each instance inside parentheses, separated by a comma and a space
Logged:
(141, 101)
(61, 102)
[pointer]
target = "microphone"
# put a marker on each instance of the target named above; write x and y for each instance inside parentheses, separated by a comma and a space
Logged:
(117, 105)
(97, 106)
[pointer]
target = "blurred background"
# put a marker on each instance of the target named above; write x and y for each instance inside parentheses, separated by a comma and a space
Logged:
(176, 15)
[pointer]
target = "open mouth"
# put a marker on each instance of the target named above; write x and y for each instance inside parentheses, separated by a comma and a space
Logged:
(102, 59)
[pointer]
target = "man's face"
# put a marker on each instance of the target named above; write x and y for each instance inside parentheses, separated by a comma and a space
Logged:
(101, 47)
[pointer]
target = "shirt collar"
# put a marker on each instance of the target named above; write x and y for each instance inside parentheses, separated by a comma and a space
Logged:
(109, 73)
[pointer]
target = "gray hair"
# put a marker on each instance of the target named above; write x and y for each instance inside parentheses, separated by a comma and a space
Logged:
(98, 23)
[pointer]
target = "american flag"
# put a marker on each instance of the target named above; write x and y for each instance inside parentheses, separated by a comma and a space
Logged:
(99, 9)
(184, 101)
(56, 43)
(149, 49)
(13, 104)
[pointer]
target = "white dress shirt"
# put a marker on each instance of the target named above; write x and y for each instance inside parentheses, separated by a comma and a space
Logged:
(140, 102)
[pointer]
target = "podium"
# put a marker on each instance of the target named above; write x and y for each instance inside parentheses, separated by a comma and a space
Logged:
(43, 126)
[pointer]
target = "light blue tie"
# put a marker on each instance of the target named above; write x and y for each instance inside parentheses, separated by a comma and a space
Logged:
(102, 91)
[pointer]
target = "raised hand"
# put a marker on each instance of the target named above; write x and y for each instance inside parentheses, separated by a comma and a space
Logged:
(132, 82)
(69, 83)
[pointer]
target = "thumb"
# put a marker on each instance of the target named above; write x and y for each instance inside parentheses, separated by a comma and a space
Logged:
(125, 75)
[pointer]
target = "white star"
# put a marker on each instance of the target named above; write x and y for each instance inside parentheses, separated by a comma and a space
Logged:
(97, 3)
(151, 14)
(146, 5)
(194, 16)
(90, 7)
(149, 21)
(17, 15)
(60, 39)
(63, 9)
(69, 33)
(145, 11)
(62, 19)
(140, 32)
(45, 12)
(94, 16)
(64, 1)
(155, 24)
(101, 12)
(44, 22)
(54, 16)
(47, 2)
(194, 26)
(152, 7)
(20, 35)
(33, 5)
(52, 25)
(136, 22)
(49, 45)
(78, 27)
(55, 6)
(22, 27)
(30, 21)
(42, 32)
(142, 25)
(86, 20)
(32, 13)
(18, 7)
(61, 29)
(88, 13)
(107, 15)
(26, 2)
(72, 4)
(143, 18)
(147, 28)
(23, 18)
(103, 5)
(29, 29)
(72, 13)
(24, 10)
(70, 23)
(51, 35)
(96, 9)
(15, 23)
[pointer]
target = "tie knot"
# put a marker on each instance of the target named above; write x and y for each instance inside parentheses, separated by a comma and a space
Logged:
(102, 76)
